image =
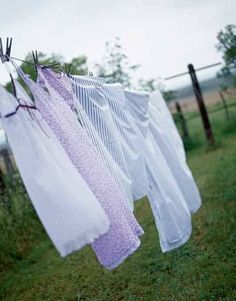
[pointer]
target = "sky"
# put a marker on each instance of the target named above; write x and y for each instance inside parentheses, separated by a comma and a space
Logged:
(163, 36)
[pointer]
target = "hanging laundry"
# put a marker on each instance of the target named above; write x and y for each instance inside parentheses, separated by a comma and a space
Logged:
(94, 103)
(60, 83)
(127, 137)
(158, 102)
(71, 219)
(169, 208)
(104, 147)
(122, 238)
(130, 140)
(166, 137)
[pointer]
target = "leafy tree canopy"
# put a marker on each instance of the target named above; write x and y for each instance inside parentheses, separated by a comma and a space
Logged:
(227, 45)
(115, 66)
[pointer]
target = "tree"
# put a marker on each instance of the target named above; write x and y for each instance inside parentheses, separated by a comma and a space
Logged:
(79, 65)
(148, 85)
(115, 66)
(168, 95)
(227, 45)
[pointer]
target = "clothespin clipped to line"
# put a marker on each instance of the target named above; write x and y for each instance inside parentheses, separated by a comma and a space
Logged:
(36, 62)
(66, 68)
(35, 59)
(5, 56)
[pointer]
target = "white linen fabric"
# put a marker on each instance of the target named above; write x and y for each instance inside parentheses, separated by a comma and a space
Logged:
(63, 201)
(176, 161)
(157, 101)
(129, 139)
(165, 135)
(169, 208)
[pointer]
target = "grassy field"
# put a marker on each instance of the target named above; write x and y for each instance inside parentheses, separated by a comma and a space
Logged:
(204, 269)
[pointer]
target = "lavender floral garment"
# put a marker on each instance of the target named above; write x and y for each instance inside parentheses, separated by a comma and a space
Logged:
(122, 239)
(59, 84)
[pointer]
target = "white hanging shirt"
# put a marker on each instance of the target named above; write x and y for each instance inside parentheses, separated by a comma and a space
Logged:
(173, 153)
(157, 101)
(170, 211)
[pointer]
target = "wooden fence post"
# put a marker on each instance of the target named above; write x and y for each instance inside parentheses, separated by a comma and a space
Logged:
(225, 104)
(182, 120)
(2, 183)
(201, 105)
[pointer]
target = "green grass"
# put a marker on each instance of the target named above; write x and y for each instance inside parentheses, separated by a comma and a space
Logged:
(204, 269)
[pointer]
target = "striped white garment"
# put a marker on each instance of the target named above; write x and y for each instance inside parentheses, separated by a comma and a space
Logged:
(172, 217)
(119, 176)
(93, 103)
(129, 138)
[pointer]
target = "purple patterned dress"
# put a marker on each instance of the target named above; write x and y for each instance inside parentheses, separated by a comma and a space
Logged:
(122, 238)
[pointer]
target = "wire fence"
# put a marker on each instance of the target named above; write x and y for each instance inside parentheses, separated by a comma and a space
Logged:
(212, 109)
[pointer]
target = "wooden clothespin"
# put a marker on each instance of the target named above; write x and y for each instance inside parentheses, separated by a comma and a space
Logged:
(5, 56)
